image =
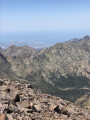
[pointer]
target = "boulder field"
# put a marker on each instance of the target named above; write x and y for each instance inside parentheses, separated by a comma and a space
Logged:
(22, 102)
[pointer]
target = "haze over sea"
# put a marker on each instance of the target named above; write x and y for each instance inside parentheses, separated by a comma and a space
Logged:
(38, 39)
(42, 23)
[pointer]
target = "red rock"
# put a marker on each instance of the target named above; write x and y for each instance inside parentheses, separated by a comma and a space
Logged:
(2, 117)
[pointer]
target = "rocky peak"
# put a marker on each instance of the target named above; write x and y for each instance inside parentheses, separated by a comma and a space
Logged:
(22, 102)
(76, 40)
(86, 37)
(19, 51)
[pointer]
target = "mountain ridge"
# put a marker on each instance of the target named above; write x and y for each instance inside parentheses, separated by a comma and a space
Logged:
(76, 40)
(53, 70)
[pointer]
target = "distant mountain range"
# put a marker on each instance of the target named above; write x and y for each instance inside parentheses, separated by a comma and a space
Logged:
(62, 70)
(76, 40)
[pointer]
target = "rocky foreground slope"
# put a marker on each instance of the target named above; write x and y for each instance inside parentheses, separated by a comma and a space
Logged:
(22, 102)
(84, 101)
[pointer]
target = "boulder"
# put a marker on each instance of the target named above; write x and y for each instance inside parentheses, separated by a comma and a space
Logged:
(3, 117)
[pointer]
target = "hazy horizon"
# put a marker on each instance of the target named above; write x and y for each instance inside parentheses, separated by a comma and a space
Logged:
(43, 22)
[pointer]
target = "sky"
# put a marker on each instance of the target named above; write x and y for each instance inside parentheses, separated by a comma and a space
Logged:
(43, 21)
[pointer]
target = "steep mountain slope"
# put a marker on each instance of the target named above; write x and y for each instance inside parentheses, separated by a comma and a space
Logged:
(62, 70)
(6, 70)
(84, 101)
(65, 67)
(19, 57)
(4, 67)
(65, 59)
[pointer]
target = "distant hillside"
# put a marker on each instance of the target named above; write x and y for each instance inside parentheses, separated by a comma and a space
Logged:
(6, 70)
(62, 70)
(19, 57)
(65, 68)
(14, 51)
(4, 67)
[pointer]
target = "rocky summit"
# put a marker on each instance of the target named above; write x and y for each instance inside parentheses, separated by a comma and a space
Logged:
(22, 102)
